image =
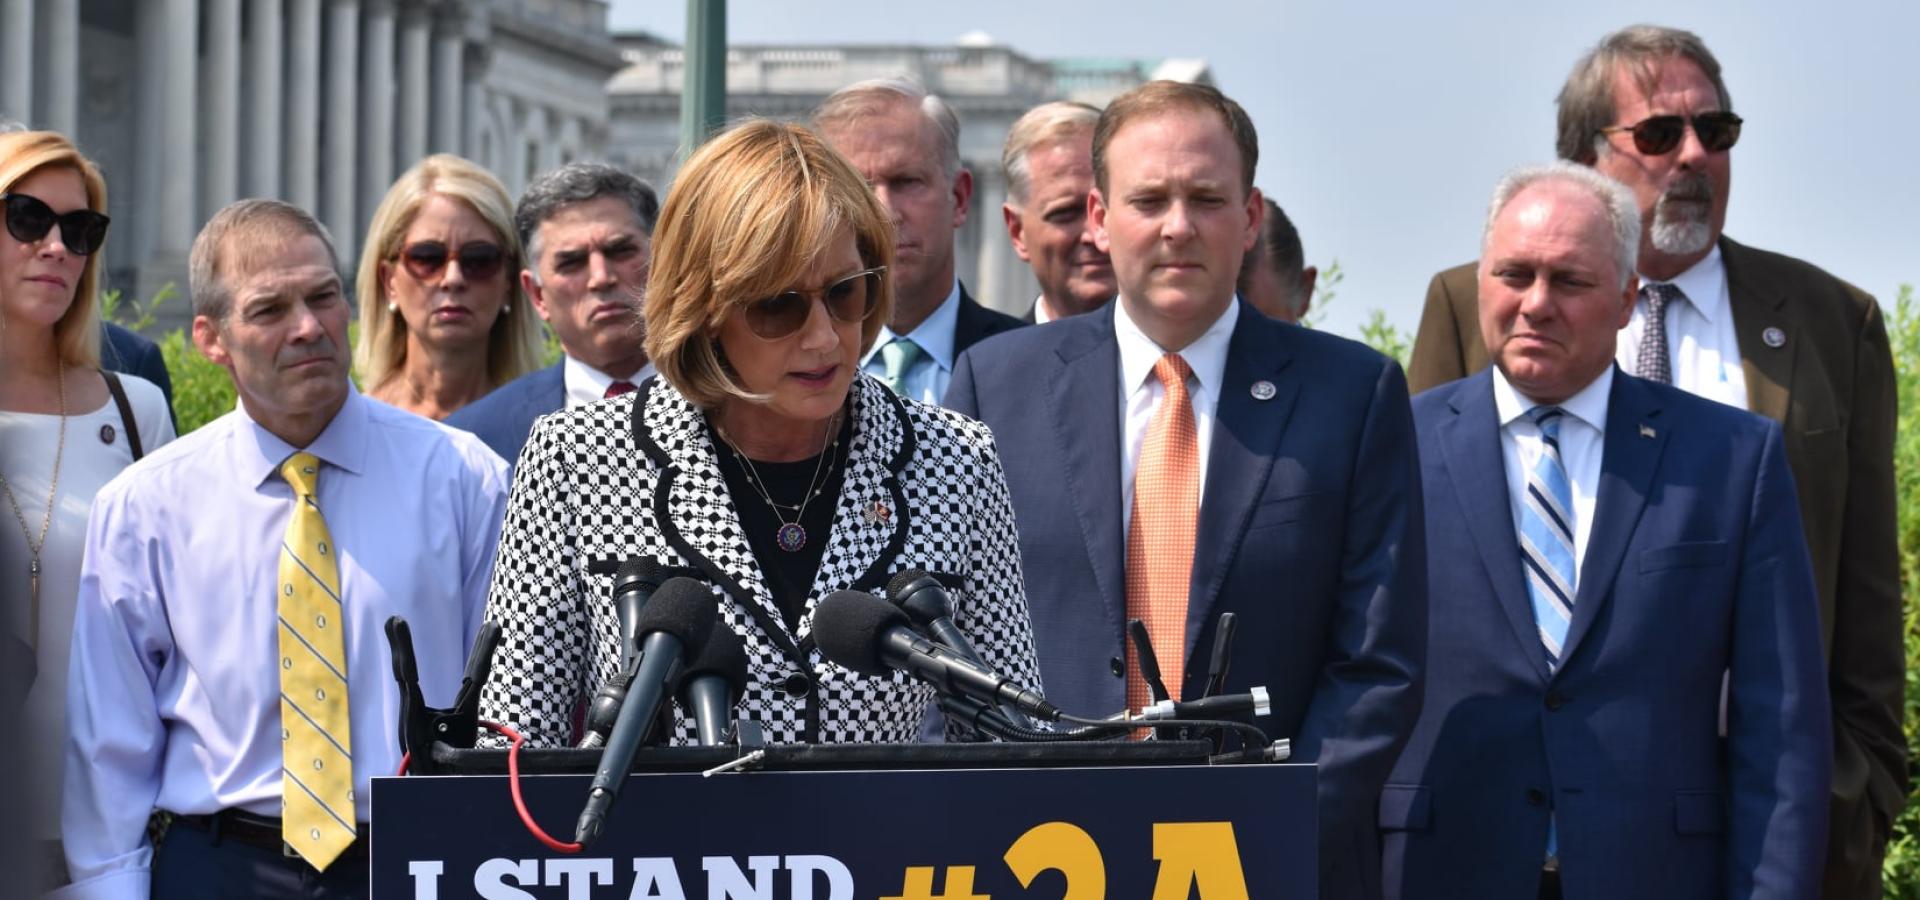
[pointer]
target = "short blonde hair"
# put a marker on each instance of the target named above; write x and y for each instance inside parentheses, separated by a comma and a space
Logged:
(513, 347)
(750, 212)
(1043, 125)
(76, 337)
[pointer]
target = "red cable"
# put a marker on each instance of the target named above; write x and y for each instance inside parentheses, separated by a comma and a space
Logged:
(519, 802)
(405, 758)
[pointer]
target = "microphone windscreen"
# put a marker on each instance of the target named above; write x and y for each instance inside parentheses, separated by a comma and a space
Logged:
(847, 627)
(635, 572)
(684, 608)
(725, 655)
(901, 583)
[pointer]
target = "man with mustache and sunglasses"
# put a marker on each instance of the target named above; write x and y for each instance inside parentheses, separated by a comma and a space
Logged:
(588, 232)
(229, 664)
(1757, 330)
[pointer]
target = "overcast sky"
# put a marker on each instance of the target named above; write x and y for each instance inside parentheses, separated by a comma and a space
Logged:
(1384, 126)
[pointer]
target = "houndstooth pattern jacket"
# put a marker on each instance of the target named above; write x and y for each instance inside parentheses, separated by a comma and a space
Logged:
(637, 477)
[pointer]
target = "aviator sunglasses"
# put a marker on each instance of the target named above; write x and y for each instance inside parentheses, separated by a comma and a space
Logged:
(1657, 135)
(479, 260)
(29, 220)
(851, 299)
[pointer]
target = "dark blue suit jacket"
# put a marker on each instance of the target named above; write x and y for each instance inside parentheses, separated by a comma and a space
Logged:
(122, 350)
(503, 418)
(1309, 533)
(1695, 567)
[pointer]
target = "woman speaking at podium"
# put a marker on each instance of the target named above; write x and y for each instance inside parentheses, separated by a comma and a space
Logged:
(760, 459)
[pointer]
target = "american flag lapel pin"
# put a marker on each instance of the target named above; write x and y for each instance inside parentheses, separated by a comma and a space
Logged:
(1646, 431)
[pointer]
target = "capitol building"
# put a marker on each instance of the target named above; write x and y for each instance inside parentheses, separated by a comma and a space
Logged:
(188, 105)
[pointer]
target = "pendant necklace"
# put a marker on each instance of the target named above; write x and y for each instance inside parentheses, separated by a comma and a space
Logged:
(791, 536)
(53, 492)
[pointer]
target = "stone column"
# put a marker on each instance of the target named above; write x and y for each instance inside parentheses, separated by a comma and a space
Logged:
(342, 76)
(179, 36)
(376, 103)
(17, 58)
(221, 89)
(62, 69)
(416, 79)
(264, 103)
(448, 84)
(303, 104)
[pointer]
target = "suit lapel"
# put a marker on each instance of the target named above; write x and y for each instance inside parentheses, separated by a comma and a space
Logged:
(1759, 308)
(872, 514)
(1635, 437)
(1246, 438)
(1470, 449)
(1084, 407)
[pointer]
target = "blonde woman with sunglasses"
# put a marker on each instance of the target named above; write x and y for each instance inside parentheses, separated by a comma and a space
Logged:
(760, 461)
(442, 322)
(65, 430)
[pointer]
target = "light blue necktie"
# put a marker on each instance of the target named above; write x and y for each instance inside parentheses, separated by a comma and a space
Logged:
(900, 356)
(1546, 536)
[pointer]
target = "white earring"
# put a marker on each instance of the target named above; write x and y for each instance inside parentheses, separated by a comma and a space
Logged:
(392, 307)
(506, 308)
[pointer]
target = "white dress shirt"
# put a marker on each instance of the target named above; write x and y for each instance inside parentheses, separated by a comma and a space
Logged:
(1042, 313)
(1704, 350)
(586, 384)
(1582, 443)
(173, 698)
(927, 382)
(1141, 392)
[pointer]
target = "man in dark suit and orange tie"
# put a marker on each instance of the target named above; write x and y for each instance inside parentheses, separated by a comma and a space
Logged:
(1763, 332)
(1606, 553)
(1176, 455)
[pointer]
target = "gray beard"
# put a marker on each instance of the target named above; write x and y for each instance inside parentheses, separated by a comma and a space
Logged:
(1683, 228)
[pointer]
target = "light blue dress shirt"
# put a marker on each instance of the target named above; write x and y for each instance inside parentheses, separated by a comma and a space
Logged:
(926, 382)
(174, 684)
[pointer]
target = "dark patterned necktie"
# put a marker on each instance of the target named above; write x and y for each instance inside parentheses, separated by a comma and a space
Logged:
(1654, 363)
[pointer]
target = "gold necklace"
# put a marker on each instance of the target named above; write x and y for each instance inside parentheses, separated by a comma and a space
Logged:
(791, 536)
(53, 492)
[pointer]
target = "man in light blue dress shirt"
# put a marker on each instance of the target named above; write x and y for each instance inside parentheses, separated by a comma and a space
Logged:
(176, 698)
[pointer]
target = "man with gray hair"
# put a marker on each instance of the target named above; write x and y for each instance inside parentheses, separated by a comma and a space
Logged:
(906, 142)
(1763, 332)
(229, 664)
(1048, 163)
(588, 230)
(1603, 549)
(1274, 276)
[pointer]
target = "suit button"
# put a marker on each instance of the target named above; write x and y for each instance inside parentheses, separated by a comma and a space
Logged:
(1118, 666)
(1555, 700)
(1535, 797)
(796, 685)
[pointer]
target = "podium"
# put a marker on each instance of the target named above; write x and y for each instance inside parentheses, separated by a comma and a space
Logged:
(1079, 821)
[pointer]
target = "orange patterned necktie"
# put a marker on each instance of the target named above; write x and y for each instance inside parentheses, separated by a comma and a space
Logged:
(1161, 534)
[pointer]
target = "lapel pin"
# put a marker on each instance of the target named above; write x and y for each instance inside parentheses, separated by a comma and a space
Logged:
(1773, 337)
(1646, 431)
(878, 513)
(1263, 390)
(106, 434)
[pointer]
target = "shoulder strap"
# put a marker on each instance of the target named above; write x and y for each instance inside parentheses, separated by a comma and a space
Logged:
(126, 412)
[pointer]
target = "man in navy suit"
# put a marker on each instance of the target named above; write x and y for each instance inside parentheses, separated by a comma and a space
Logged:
(588, 230)
(1295, 503)
(1610, 557)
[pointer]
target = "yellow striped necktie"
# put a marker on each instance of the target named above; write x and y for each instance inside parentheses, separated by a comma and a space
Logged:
(316, 765)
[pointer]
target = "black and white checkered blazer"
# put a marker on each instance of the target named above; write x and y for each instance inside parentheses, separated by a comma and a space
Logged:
(636, 477)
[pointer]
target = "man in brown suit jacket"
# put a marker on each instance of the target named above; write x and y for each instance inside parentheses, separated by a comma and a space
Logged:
(1766, 331)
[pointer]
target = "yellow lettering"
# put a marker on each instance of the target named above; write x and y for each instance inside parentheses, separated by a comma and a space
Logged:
(1203, 852)
(1067, 848)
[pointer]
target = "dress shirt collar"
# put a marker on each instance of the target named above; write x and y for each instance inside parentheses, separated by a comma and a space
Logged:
(342, 444)
(1042, 313)
(1589, 405)
(586, 384)
(935, 335)
(1704, 284)
(1206, 356)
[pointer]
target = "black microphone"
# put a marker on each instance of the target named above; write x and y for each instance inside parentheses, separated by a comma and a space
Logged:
(678, 620)
(873, 637)
(1225, 706)
(712, 681)
(633, 583)
(926, 602)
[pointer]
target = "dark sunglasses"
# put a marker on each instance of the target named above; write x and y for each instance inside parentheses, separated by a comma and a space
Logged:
(28, 220)
(1718, 132)
(851, 299)
(479, 260)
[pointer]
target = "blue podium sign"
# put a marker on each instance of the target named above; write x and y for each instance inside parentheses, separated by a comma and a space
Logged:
(1164, 833)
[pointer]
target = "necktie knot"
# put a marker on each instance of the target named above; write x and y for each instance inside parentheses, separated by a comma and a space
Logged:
(1658, 297)
(1652, 362)
(1173, 372)
(1548, 419)
(617, 388)
(900, 356)
(302, 472)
